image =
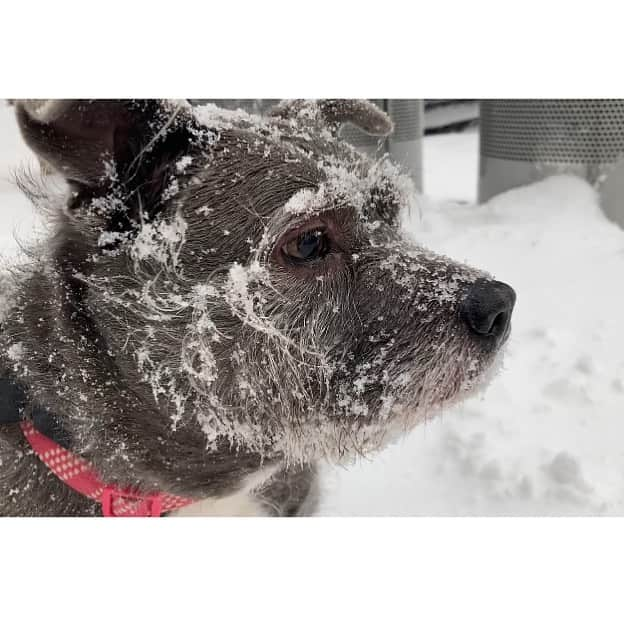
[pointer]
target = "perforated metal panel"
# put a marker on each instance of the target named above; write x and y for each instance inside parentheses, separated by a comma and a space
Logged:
(408, 119)
(522, 141)
(553, 131)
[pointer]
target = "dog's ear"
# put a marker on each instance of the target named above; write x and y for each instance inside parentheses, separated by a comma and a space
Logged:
(333, 113)
(82, 139)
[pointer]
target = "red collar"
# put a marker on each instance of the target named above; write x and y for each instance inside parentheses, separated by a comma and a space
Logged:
(79, 475)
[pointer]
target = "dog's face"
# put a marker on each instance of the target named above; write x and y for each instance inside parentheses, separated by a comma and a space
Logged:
(250, 282)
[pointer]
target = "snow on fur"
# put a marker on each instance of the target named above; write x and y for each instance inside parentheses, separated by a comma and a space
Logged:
(546, 436)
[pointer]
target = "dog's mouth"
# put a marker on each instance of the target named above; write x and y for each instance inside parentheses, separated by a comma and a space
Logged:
(456, 379)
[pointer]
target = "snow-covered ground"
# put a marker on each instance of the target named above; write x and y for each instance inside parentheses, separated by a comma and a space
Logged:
(547, 436)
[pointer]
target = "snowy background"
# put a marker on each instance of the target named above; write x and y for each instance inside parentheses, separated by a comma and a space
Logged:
(547, 435)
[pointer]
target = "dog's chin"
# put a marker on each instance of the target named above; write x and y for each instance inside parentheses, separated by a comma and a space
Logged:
(405, 414)
(332, 437)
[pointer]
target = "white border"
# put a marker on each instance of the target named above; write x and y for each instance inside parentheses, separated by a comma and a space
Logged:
(318, 48)
(311, 570)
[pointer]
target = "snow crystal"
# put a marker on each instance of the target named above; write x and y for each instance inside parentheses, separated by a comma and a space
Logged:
(172, 190)
(183, 163)
(306, 202)
(243, 299)
(161, 241)
(15, 352)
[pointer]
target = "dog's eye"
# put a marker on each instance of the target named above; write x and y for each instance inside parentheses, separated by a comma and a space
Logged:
(307, 247)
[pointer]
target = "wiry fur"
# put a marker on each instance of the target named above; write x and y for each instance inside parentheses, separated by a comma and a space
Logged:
(178, 348)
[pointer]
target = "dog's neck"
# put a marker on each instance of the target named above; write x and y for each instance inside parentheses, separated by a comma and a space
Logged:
(41, 347)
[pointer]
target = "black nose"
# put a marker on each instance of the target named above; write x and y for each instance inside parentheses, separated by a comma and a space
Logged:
(487, 309)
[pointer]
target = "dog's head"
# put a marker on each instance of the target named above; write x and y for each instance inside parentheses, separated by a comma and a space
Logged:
(247, 279)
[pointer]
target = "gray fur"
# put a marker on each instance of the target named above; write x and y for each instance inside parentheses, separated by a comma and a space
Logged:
(182, 353)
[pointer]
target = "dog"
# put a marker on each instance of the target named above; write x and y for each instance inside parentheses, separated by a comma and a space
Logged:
(222, 301)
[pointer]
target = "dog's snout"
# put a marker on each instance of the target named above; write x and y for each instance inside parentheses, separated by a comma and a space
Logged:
(487, 309)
